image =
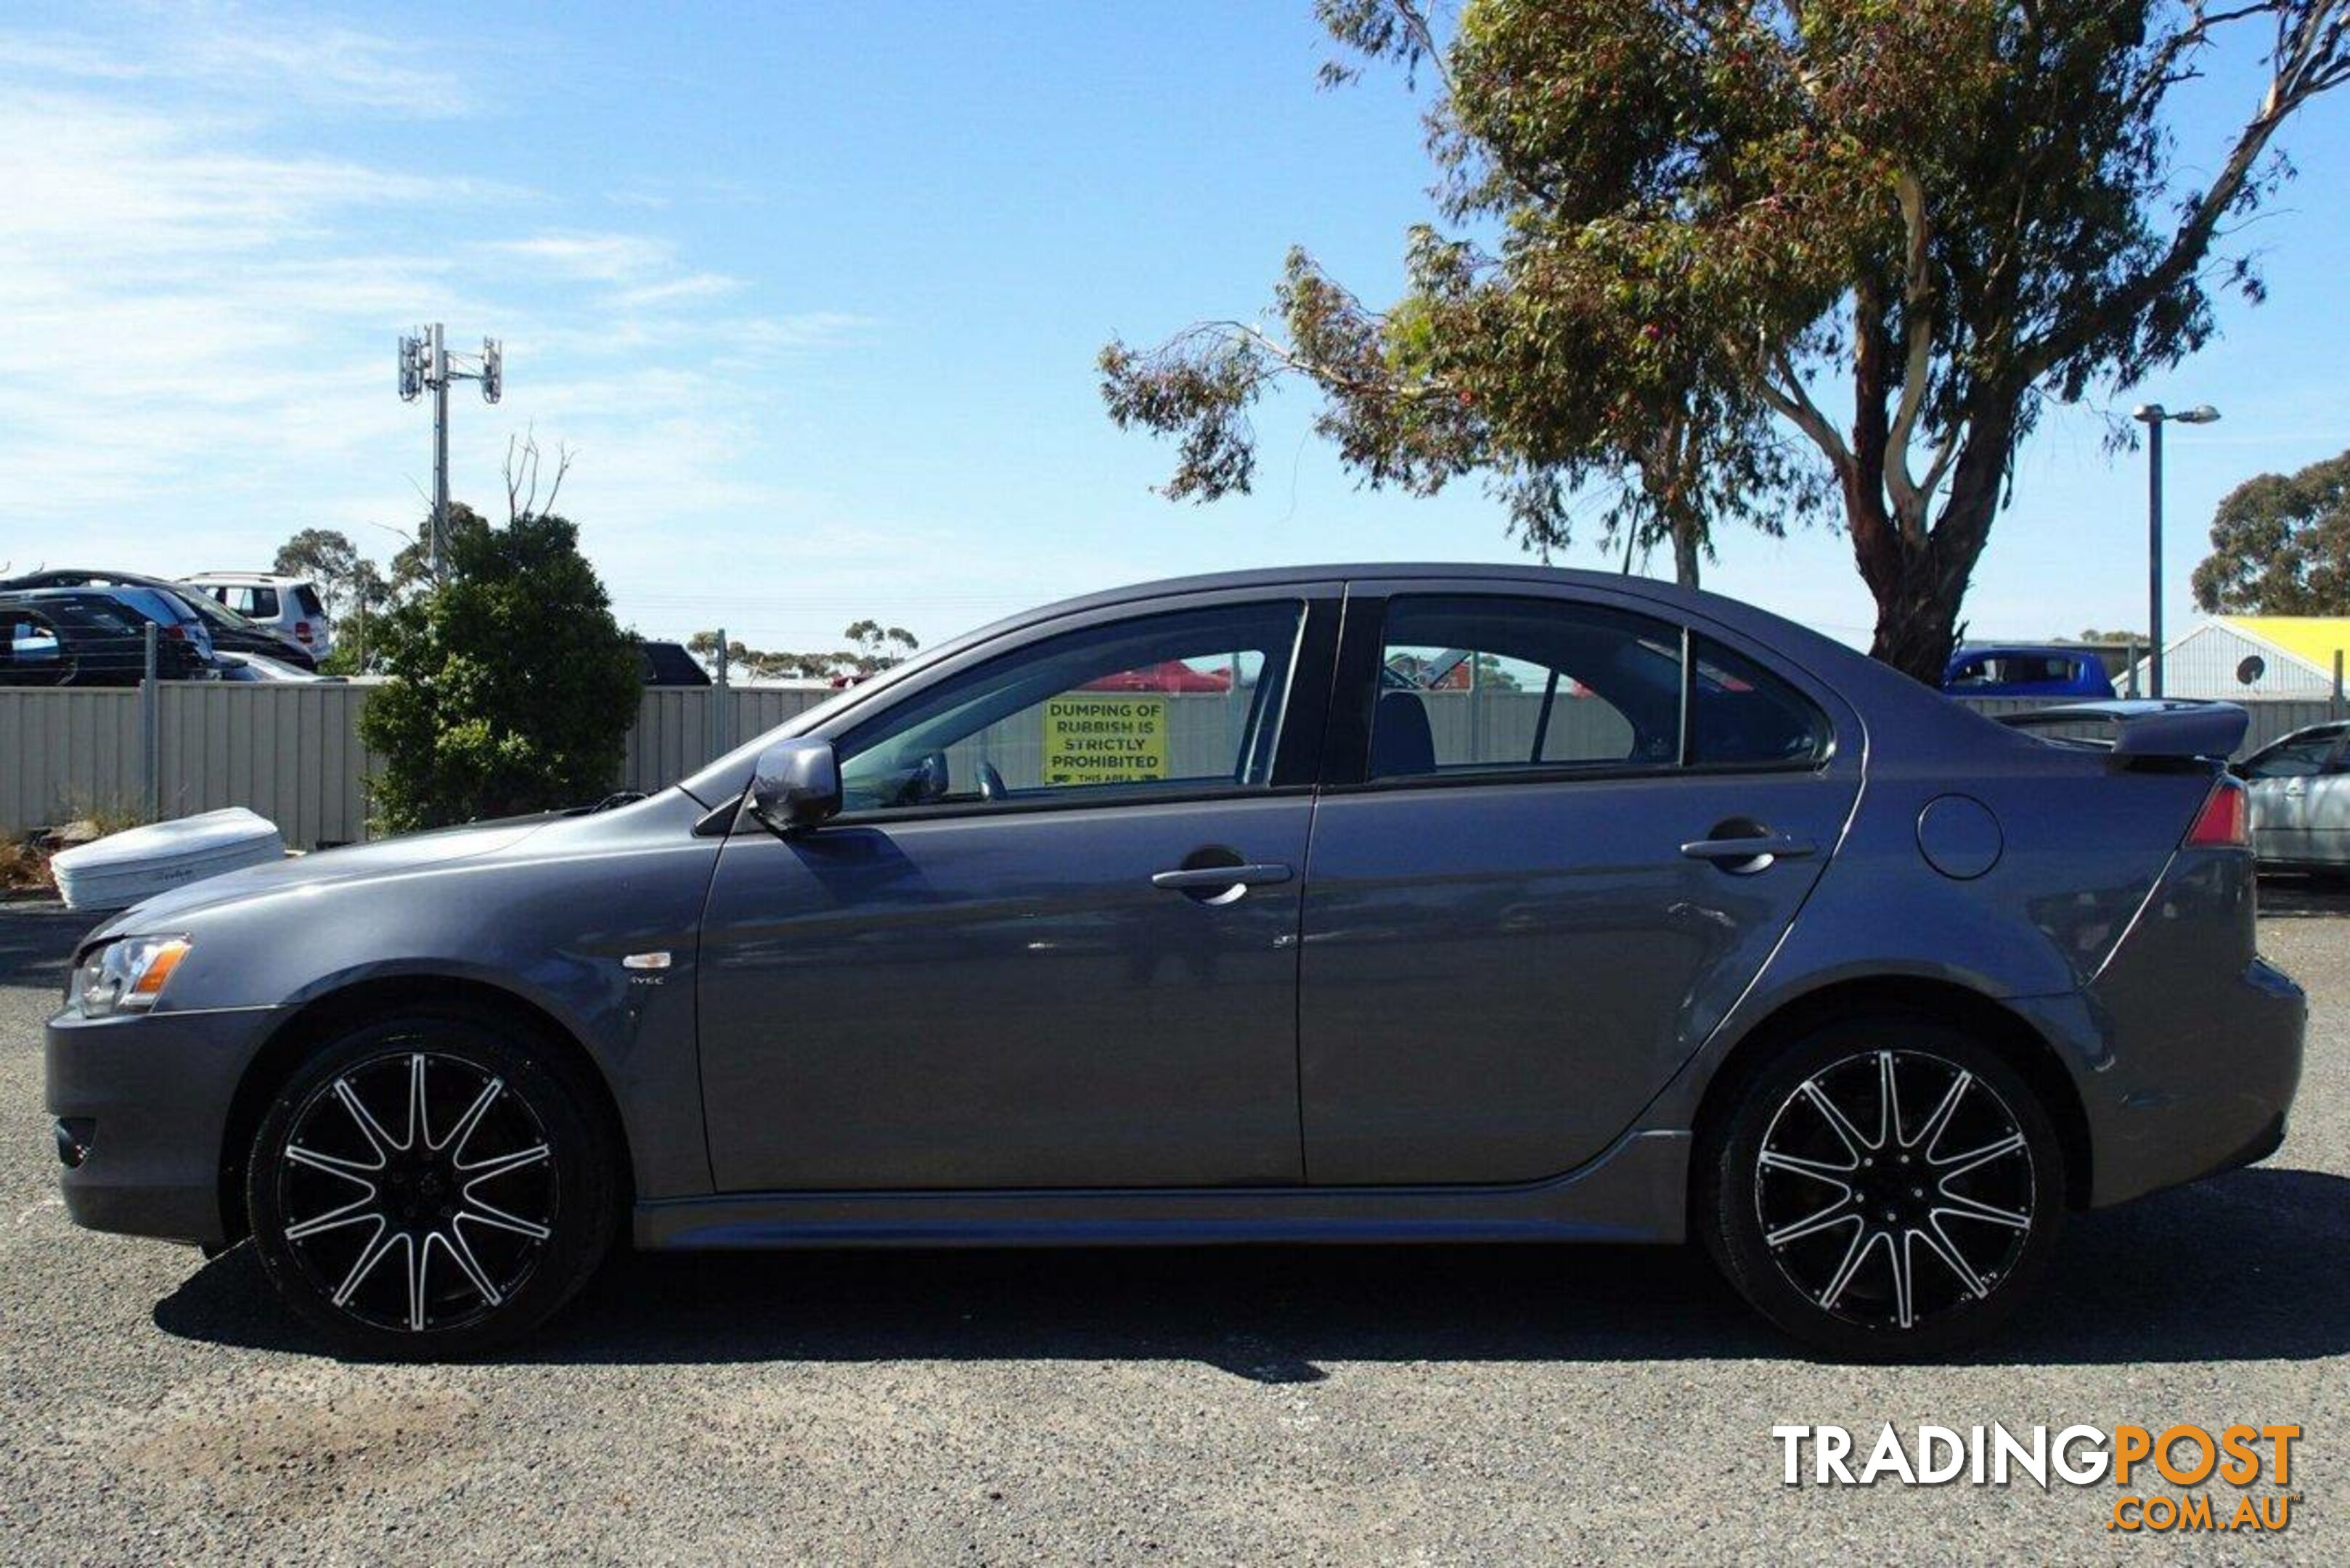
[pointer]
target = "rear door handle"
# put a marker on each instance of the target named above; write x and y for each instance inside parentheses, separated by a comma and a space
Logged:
(1251, 875)
(1723, 851)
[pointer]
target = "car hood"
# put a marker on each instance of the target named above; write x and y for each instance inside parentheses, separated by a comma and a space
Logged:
(352, 863)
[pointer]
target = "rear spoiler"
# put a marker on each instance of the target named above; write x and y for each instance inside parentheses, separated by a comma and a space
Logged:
(2149, 727)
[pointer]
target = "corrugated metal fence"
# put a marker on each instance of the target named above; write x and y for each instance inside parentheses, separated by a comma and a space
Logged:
(292, 752)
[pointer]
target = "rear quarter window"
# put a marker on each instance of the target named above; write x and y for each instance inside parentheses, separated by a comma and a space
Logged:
(1741, 713)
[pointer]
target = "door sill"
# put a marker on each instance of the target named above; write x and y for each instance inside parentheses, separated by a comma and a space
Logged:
(1635, 1191)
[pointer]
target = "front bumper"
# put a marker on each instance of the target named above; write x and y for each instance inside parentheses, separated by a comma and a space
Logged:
(147, 1098)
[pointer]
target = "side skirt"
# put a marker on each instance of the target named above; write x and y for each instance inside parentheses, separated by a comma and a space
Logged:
(1637, 1191)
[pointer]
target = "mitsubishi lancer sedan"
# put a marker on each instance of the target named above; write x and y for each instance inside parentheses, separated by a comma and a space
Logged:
(1430, 904)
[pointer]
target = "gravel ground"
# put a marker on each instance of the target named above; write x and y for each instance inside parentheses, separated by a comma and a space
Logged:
(1284, 1403)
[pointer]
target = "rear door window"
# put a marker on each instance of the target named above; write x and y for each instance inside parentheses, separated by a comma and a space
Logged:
(1487, 683)
(2295, 757)
(1481, 683)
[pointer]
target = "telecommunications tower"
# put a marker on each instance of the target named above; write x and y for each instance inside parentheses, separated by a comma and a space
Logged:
(427, 366)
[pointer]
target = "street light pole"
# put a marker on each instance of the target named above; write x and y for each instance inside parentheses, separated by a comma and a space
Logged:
(2154, 416)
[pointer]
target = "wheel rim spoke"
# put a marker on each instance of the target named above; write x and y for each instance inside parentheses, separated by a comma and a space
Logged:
(1894, 1192)
(1965, 1208)
(408, 1196)
(455, 1142)
(334, 1164)
(1840, 1212)
(415, 1100)
(342, 1218)
(1931, 1133)
(1864, 1241)
(1958, 1165)
(1896, 1253)
(1818, 1170)
(1933, 1237)
(460, 1250)
(369, 1256)
(1841, 1125)
(1888, 1101)
(382, 1141)
(482, 1214)
(500, 1165)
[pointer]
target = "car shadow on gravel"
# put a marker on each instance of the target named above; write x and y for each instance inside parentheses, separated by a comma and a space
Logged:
(2251, 1266)
(37, 941)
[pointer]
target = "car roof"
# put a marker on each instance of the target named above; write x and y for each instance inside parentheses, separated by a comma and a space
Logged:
(87, 578)
(2026, 649)
(67, 593)
(273, 579)
(1669, 599)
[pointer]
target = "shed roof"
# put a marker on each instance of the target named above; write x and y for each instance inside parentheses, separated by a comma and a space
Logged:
(2312, 639)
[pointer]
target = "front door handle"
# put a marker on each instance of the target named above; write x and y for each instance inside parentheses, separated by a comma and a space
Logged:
(1751, 853)
(1193, 879)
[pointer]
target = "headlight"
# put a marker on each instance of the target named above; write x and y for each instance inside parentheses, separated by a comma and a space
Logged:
(125, 976)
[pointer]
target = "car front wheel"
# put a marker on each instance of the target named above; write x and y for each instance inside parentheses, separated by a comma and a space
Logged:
(427, 1186)
(1884, 1190)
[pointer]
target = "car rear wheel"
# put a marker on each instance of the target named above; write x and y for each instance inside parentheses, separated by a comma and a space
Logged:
(1884, 1190)
(427, 1186)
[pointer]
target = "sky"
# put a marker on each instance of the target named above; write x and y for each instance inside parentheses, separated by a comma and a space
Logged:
(813, 292)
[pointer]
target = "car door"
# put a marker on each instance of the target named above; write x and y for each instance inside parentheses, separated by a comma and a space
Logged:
(1051, 940)
(2289, 786)
(1560, 835)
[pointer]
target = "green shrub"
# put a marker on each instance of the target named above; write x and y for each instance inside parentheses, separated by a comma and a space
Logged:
(512, 688)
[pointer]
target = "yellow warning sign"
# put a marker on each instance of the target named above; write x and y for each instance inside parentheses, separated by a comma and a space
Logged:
(1103, 739)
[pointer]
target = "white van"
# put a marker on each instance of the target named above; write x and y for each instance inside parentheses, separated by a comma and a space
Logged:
(289, 606)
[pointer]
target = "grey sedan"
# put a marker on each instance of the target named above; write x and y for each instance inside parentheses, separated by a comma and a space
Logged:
(1338, 904)
(2299, 789)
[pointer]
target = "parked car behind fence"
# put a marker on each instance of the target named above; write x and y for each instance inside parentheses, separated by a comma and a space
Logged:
(2299, 789)
(2054, 672)
(287, 606)
(95, 637)
(221, 628)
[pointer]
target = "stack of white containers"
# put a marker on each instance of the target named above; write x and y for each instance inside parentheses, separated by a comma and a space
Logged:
(118, 871)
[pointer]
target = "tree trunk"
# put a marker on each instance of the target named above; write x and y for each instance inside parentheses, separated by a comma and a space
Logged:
(1918, 576)
(1688, 535)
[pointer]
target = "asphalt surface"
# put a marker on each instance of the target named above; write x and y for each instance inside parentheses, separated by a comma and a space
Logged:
(1289, 1404)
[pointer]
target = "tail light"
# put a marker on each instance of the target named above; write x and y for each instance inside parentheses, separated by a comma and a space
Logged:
(2226, 820)
(175, 631)
(302, 630)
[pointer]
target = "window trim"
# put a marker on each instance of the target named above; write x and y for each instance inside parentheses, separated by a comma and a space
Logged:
(1346, 768)
(1298, 742)
(2334, 755)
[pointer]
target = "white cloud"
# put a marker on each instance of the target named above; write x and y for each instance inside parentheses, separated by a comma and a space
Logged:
(296, 58)
(198, 303)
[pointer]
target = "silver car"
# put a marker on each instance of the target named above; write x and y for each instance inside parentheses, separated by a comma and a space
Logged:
(2300, 790)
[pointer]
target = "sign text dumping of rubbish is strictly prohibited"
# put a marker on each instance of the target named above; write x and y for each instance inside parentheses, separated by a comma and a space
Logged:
(1104, 740)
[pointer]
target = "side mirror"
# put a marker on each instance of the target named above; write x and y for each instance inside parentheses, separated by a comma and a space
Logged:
(796, 785)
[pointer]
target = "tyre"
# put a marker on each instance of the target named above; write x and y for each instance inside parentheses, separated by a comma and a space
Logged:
(427, 1186)
(1886, 1189)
